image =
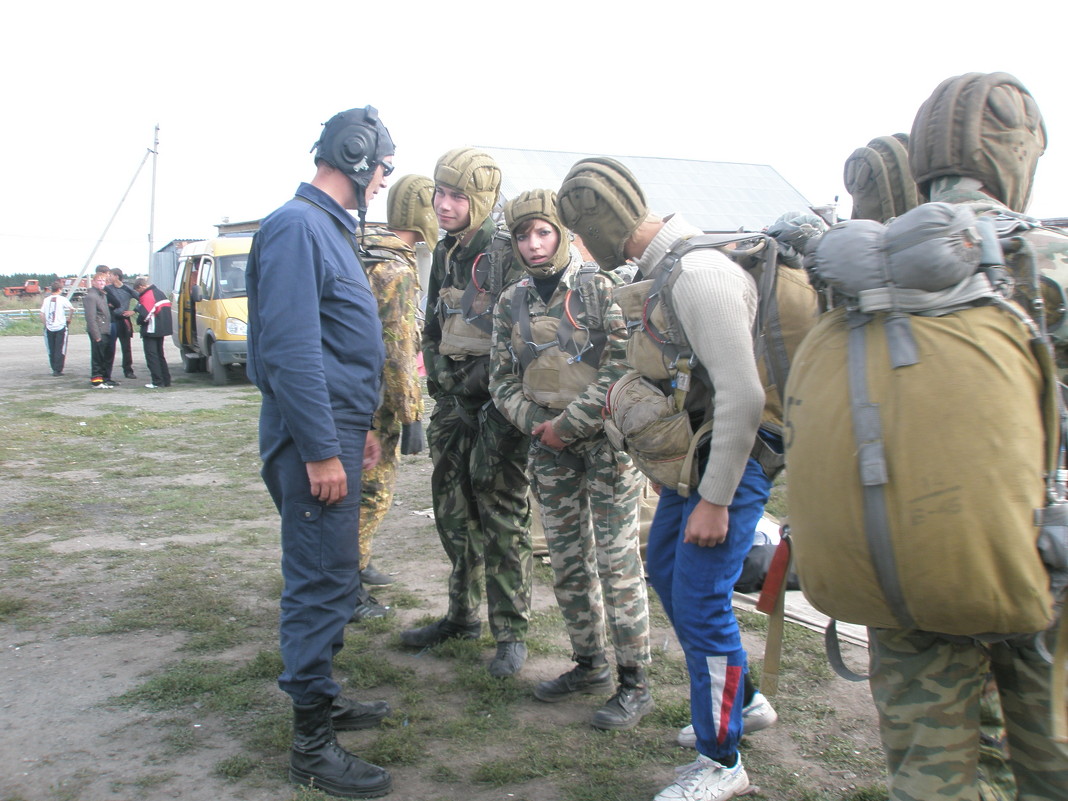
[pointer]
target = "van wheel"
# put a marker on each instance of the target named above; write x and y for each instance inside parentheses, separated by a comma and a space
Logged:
(219, 376)
(192, 364)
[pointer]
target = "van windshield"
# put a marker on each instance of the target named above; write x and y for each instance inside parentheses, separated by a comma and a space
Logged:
(231, 272)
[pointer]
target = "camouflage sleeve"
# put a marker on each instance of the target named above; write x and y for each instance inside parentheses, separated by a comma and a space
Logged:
(582, 418)
(441, 377)
(395, 285)
(506, 385)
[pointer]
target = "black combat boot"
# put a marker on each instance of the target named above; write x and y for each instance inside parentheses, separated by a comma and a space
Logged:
(349, 715)
(590, 675)
(316, 759)
(629, 705)
(438, 632)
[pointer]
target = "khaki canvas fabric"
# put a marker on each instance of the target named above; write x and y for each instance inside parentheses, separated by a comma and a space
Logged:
(964, 446)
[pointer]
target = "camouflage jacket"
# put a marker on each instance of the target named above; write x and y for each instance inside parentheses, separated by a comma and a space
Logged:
(581, 419)
(463, 379)
(1047, 246)
(391, 271)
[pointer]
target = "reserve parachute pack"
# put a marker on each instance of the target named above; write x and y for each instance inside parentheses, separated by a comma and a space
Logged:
(923, 433)
(649, 413)
(466, 314)
(559, 357)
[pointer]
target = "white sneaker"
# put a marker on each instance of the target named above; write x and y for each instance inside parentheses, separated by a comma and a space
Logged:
(704, 779)
(759, 715)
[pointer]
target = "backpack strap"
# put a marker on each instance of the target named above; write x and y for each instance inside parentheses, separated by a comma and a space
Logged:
(874, 474)
(588, 297)
(522, 320)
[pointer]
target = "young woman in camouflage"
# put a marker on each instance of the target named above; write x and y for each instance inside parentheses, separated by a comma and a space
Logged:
(559, 343)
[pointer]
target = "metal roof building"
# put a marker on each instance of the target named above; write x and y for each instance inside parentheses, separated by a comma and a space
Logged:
(713, 195)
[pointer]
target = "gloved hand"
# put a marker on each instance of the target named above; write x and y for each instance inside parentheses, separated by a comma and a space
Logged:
(412, 439)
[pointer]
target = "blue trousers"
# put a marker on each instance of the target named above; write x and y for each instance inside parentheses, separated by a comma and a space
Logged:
(695, 585)
(320, 558)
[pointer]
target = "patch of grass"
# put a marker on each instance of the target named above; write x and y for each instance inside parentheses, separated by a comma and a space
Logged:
(10, 606)
(234, 767)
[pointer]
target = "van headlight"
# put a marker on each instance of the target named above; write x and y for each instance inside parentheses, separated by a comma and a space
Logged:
(236, 327)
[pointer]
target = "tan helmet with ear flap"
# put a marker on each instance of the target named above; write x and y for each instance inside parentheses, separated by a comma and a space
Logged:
(476, 174)
(981, 126)
(410, 207)
(538, 204)
(602, 202)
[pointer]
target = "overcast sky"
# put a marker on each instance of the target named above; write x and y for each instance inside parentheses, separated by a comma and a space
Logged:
(240, 89)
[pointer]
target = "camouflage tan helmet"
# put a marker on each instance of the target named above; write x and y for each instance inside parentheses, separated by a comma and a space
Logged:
(476, 174)
(879, 179)
(538, 204)
(981, 126)
(410, 207)
(601, 201)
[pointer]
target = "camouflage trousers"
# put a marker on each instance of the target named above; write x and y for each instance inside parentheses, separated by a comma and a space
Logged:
(482, 514)
(927, 689)
(589, 498)
(376, 491)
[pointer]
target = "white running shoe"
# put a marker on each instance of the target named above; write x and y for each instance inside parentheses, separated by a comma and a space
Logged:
(759, 715)
(704, 779)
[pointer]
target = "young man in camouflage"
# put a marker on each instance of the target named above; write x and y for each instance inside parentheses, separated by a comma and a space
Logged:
(559, 343)
(479, 481)
(389, 260)
(975, 141)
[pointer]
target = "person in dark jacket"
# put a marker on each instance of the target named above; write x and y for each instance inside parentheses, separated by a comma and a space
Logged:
(154, 318)
(98, 327)
(320, 381)
(119, 297)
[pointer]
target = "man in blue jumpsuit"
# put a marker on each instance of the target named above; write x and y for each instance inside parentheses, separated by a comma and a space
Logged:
(316, 354)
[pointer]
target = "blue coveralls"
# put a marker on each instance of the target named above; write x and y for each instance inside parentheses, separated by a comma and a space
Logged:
(315, 351)
(696, 586)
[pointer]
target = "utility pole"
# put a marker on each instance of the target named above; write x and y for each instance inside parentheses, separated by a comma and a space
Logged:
(152, 202)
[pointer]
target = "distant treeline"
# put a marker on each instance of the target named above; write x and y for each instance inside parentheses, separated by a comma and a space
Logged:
(19, 279)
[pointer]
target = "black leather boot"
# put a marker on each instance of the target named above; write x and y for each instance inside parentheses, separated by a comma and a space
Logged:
(590, 675)
(316, 759)
(629, 705)
(349, 715)
(438, 632)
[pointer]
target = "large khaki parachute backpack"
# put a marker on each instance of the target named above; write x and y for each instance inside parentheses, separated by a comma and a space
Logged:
(649, 410)
(922, 434)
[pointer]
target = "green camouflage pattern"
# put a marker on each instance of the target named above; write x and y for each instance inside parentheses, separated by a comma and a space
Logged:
(479, 482)
(391, 270)
(1048, 245)
(928, 692)
(482, 515)
(467, 379)
(589, 497)
(590, 519)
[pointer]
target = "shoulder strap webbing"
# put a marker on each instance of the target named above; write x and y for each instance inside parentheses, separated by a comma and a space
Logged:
(487, 276)
(874, 475)
(588, 299)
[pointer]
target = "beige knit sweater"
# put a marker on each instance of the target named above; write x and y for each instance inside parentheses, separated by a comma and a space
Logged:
(716, 302)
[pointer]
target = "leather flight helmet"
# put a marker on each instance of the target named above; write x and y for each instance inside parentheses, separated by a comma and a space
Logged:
(474, 173)
(982, 126)
(538, 204)
(602, 202)
(355, 142)
(410, 207)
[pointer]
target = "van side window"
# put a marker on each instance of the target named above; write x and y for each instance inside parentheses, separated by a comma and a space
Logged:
(206, 279)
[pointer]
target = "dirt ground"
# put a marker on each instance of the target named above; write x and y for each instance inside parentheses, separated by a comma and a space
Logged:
(60, 738)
